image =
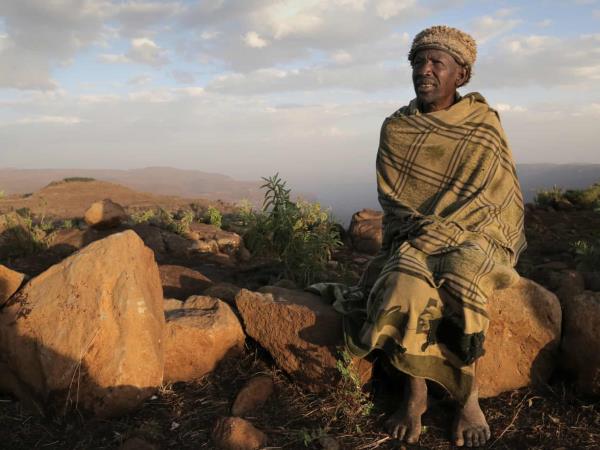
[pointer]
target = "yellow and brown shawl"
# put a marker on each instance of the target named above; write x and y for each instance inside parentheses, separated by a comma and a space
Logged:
(453, 231)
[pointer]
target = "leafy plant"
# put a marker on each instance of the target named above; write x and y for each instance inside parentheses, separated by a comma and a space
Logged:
(214, 217)
(143, 216)
(587, 255)
(301, 235)
(588, 198)
(550, 197)
(74, 179)
(353, 401)
(307, 436)
(22, 236)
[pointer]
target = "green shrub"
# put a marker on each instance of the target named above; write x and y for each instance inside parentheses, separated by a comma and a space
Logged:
(587, 255)
(588, 198)
(143, 216)
(74, 179)
(301, 235)
(23, 237)
(550, 197)
(214, 217)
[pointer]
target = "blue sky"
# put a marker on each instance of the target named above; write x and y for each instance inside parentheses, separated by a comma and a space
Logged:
(250, 87)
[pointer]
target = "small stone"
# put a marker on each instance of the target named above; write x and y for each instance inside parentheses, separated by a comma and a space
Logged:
(233, 433)
(329, 443)
(105, 214)
(253, 395)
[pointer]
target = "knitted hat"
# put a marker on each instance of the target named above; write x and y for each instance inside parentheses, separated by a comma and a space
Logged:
(451, 40)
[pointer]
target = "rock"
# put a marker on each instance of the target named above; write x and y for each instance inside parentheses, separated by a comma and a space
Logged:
(172, 303)
(223, 291)
(176, 245)
(581, 341)
(137, 443)
(227, 241)
(366, 231)
(253, 395)
(205, 247)
(234, 433)
(300, 331)
(181, 282)
(244, 254)
(522, 340)
(152, 237)
(592, 280)
(105, 214)
(10, 282)
(571, 284)
(198, 336)
(87, 332)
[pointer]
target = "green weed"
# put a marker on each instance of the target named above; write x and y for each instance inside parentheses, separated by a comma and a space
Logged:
(300, 234)
(587, 255)
(214, 217)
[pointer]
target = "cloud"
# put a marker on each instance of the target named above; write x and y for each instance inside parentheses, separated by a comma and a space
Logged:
(486, 28)
(253, 40)
(140, 17)
(53, 120)
(542, 61)
(39, 35)
(141, 51)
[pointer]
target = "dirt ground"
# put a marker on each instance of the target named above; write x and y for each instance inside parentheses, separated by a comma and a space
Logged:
(181, 416)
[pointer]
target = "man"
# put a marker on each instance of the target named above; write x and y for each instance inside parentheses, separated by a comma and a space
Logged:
(453, 231)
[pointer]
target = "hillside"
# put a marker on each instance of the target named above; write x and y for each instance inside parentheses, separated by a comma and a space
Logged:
(154, 180)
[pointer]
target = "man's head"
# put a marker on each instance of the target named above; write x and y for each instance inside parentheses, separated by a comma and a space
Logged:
(441, 58)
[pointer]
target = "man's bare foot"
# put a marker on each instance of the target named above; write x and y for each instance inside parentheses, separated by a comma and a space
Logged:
(471, 428)
(405, 424)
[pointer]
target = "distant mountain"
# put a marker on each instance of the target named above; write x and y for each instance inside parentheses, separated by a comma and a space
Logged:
(154, 180)
(534, 177)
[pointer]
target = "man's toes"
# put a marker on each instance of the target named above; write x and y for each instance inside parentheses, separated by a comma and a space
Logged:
(475, 438)
(487, 433)
(469, 438)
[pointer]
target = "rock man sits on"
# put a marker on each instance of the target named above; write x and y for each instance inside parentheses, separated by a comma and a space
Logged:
(452, 234)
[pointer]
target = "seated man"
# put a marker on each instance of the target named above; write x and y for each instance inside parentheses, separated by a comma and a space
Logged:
(453, 230)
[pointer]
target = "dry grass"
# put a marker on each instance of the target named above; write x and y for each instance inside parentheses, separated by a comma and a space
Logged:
(180, 416)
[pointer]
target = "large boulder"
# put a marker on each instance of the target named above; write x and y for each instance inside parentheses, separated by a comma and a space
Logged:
(10, 281)
(523, 338)
(581, 341)
(365, 231)
(199, 334)
(300, 331)
(87, 332)
(182, 282)
(105, 214)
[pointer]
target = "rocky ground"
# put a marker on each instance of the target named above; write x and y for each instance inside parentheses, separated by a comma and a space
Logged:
(287, 394)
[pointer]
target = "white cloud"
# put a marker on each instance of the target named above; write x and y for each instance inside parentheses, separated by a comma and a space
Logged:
(145, 51)
(387, 9)
(544, 23)
(341, 57)
(489, 27)
(53, 120)
(253, 40)
(505, 107)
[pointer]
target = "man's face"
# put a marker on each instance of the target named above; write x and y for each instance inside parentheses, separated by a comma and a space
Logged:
(436, 75)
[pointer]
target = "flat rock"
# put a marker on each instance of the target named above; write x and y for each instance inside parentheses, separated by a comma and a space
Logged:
(227, 242)
(581, 341)
(182, 282)
(300, 331)
(87, 332)
(523, 338)
(234, 433)
(198, 336)
(105, 214)
(253, 395)
(10, 282)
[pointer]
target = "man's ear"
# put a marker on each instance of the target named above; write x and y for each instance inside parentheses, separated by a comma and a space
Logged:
(462, 75)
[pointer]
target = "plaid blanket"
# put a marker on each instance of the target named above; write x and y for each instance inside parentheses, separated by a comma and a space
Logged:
(453, 231)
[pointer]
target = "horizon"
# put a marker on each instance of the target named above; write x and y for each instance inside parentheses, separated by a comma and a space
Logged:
(301, 88)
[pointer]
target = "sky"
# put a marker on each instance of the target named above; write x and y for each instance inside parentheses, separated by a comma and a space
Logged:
(248, 88)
